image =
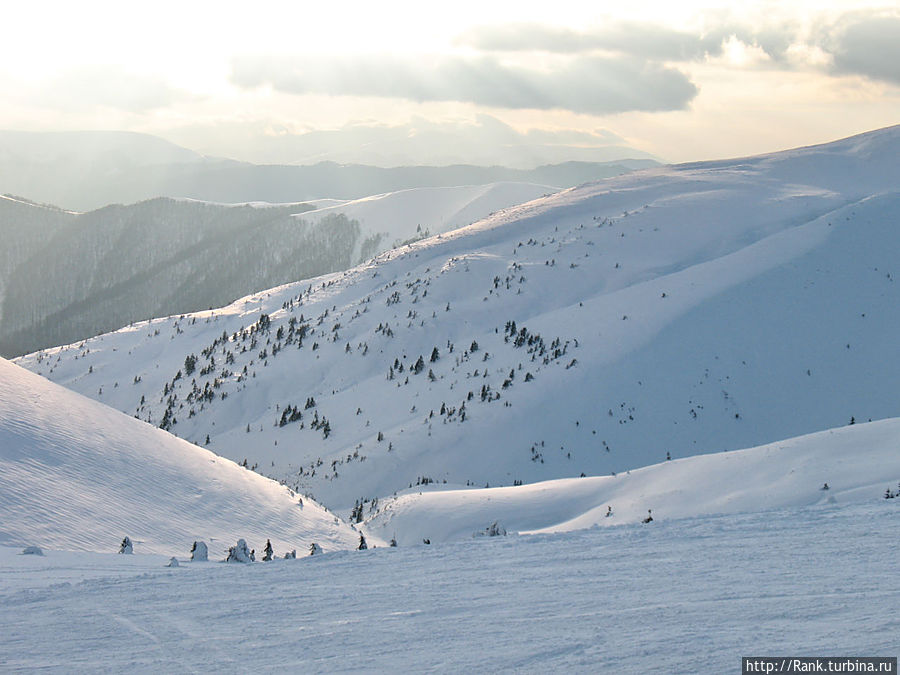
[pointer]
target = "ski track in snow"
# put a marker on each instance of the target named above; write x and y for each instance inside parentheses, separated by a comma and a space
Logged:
(688, 596)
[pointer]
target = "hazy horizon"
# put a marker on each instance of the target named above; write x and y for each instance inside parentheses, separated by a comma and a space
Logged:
(483, 84)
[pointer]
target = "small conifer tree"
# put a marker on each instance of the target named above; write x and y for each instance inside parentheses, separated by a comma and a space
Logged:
(199, 552)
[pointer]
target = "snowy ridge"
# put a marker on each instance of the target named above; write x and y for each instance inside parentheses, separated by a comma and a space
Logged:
(71, 275)
(858, 463)
(405, 214)
(681, 310)
(78, 475)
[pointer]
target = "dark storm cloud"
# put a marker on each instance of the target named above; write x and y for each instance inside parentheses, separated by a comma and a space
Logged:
(584, 84)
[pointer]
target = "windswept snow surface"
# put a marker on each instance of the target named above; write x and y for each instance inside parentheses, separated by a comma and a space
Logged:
(78, 475)
(858, 463)
(683, 310)
(685, 596)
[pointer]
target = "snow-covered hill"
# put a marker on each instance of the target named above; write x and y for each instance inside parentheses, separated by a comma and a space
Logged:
(78, 475)
(680, 310)
(857, 463)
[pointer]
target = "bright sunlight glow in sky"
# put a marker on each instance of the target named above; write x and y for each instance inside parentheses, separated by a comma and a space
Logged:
(681, 81)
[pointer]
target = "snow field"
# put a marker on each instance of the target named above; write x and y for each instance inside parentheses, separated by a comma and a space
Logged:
(692, 595)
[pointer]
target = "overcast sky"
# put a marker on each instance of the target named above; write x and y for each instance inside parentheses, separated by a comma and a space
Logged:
(297, 81)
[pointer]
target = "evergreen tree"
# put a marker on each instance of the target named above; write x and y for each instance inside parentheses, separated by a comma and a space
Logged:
(199, 552)
(268, 552)
(362, 543)
(239, 553)
(126, 546)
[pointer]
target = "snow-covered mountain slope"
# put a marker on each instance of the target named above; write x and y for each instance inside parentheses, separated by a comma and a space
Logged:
(66, 276)
(682, 310)
(78, 475)
(408, 214)
(686, 596)
(857, 463)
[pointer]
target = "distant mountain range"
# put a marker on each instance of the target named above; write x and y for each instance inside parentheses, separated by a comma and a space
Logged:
(87, 170)
(674, 311)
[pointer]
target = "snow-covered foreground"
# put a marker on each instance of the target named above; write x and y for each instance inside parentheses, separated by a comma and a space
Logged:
(857, 463)
(692, 595)
(77, 475)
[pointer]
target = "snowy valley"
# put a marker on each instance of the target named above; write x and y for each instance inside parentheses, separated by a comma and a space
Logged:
(671, 312)
(646, 424)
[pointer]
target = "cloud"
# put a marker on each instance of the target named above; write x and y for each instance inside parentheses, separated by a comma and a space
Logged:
(643, 40)
(109, 86)
(865, 42)
(868, 46)
(583, 84)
